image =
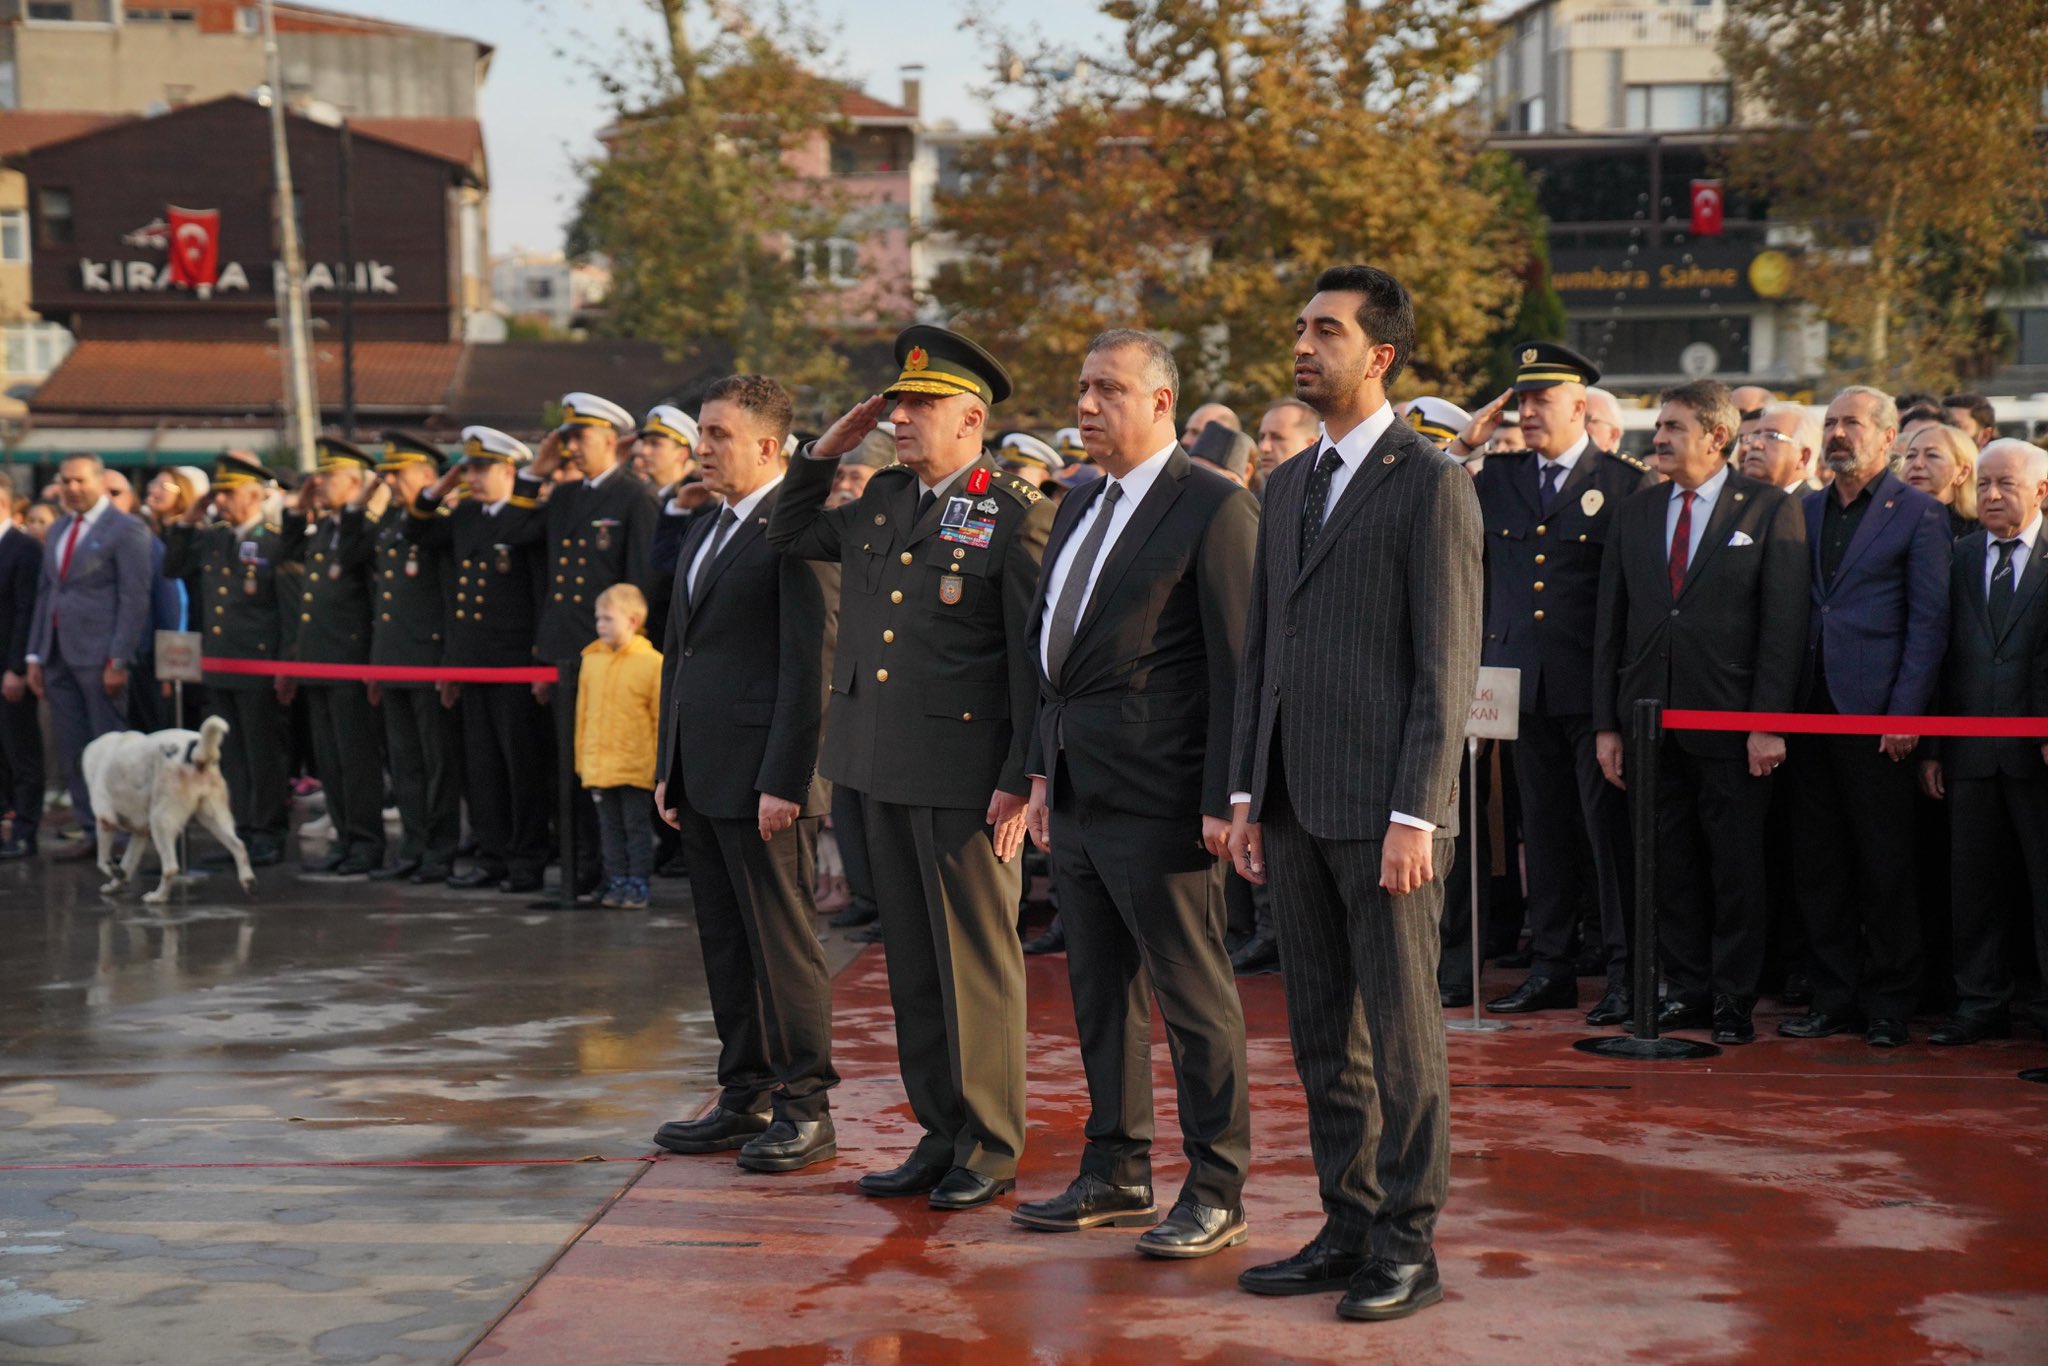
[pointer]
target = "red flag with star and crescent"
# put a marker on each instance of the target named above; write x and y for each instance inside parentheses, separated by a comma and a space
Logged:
(194, 241)
(1708, 205)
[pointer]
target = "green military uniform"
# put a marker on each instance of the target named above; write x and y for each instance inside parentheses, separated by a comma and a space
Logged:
(415, 591)
(933, 689)
(334, 628)
(248, 592)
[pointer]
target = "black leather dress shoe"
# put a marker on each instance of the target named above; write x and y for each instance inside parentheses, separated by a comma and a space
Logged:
(1614, 1008)
(1314, 1269)
(1256, 955)
(1054, 940)
(1538, 993)
(1089, 1202)
(1818, 1024)
(1391, 1290)
(1969, 1029)
(717, 1132)
(964, 1189)
(854, 916)
(1676, 1014)
(398, 871)
(356, 865)
(262, 854)
(327, 863)
(475, 878)
(1798, 990)
(1731, 1020)
(519, 884)
(1454, 998)
(787, 1145)
(1884, 1033)
(914, 1177)
(1191, 1230)
(431, 872)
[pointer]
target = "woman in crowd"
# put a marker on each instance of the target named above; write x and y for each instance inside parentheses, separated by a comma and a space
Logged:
(1941, 462)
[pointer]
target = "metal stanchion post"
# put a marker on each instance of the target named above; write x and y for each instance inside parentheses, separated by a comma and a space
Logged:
(2035, 1074)
(1478, 1024)
(1642, 780)
(565, 781)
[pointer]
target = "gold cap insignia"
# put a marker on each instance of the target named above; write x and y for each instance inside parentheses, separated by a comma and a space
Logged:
(1529, 356)
(917, 359)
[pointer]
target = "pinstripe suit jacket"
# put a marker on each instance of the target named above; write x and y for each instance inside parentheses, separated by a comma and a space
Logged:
(1360, 661)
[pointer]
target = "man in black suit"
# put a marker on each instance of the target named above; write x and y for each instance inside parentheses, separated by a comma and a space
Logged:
(598, 530)
(743, 691)
(1138, 627)
(1361, 652)
(1703, 601)
(21, 738)
(1997, 789)
(1547, 510)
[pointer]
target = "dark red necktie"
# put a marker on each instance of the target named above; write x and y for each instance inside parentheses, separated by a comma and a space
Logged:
(1681, 543)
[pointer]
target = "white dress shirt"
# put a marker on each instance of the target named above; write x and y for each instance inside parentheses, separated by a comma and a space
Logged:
(1135, 485)
(1565, 463)
(1351, 453)
(1703, 499)
(741, 510)
(492, 509)
(597, 480)
(2021, 558)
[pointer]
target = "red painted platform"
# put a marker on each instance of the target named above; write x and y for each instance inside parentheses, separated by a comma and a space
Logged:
(1817, 1201)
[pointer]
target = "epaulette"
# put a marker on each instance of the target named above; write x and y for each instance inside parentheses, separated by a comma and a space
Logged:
(524, 504)
(274, 528)
(1023, 490)
(1632, 462)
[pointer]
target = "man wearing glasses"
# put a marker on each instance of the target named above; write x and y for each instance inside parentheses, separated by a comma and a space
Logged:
(1781, 447)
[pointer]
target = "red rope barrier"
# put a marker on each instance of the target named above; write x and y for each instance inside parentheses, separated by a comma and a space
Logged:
(376, 673)
(1796, 723)
(248, 1166)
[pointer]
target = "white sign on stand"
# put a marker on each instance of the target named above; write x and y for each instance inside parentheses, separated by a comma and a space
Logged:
(1495, 715)
(177, 657)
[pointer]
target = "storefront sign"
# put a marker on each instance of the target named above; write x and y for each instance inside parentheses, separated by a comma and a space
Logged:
(1698, 272)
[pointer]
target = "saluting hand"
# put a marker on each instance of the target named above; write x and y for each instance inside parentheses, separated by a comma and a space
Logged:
(849, 431)
(1483, 425)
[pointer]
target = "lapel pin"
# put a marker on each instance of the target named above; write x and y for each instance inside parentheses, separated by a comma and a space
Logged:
(1386, 459)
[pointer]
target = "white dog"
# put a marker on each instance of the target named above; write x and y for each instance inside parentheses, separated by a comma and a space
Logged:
(150, 786)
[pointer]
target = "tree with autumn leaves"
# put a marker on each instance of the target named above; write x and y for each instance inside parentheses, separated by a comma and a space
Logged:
(1196, 179)
(1898, 141)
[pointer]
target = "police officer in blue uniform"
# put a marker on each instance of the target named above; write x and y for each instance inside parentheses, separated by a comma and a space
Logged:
(1547, 510)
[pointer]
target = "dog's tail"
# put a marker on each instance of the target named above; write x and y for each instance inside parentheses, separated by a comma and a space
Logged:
(207, 751)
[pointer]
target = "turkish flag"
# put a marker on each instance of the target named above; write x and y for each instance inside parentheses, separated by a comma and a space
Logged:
(194, 246)
(1706, 208)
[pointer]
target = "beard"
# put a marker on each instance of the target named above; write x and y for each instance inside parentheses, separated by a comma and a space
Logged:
(1329, 391)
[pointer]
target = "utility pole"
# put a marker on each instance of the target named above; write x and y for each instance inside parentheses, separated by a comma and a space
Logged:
(348, 284)
(302, 409)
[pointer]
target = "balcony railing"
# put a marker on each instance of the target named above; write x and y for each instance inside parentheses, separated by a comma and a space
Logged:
(1642, 26)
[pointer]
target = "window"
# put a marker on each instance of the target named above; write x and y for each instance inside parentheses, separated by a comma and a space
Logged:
(54, 214)
(10, 94)
(539, 287)
(248, 19)
(830, 261)
(1677, 107)
(2031, 325)
(150, 14)
(57, 10)
(14, 237)
(1529, 118)
(1652, 346)
(35, 349)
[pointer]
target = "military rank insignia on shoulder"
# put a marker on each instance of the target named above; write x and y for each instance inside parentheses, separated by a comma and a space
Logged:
(523, 503)
(273, 528)
(1631, 461)
(1020, 489)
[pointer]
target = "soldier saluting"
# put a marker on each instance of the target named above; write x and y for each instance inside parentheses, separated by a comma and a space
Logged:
(933, 687)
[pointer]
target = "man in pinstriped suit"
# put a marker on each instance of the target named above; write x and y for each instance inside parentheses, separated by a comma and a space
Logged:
(1361, 652)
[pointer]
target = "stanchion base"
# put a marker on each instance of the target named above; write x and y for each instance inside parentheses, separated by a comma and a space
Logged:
(1663, 1049)
(2036, 1074)
(1463, 1026)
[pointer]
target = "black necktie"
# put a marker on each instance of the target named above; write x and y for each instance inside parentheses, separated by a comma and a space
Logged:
(1318, 499)
(1552, 473)
(727, 520)
(2000, 601)
(924, 505)
(1066, 613)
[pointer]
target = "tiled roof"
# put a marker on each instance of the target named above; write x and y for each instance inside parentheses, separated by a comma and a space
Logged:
(458, 140)
(173, 377)
(24, 130)
(858, 104)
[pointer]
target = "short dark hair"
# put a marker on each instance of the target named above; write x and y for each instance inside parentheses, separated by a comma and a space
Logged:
(1922, 412)
(765, 398)
(1977, 406)
(1915, 398)
(1710, 400)
(1387, 315)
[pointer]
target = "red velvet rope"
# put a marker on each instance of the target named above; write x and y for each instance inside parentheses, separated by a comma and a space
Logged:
(1796, 723)
(376, 673)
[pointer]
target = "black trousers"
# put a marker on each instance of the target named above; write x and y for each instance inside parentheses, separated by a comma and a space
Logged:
(1368, 1034)
(956, 980)
(21, 765)
(347, 757)
(424, 742)
(1571, 811)
(506, 769)
(771, 996)
(850, 830)
(1856, 883)
(2000, 873)
(254, 759)
(589, 869)
(1713, 904)
(1142, 903)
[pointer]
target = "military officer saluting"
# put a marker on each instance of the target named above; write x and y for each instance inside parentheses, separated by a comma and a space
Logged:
(497, 564)
(1547, 510)
(247, 608)
(414, 590)
(598, 530)
(933, 688)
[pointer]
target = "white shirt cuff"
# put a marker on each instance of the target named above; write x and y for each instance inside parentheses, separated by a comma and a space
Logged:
(1403, 818)
(1237, 797)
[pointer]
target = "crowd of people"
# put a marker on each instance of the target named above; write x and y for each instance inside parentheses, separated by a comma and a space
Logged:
(944, 639)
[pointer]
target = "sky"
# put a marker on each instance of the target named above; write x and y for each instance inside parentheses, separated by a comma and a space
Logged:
(542, 110)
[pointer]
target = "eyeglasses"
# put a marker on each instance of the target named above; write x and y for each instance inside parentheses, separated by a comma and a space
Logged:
(1774, 438)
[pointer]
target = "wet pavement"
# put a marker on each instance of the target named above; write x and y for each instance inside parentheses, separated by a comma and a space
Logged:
(224, 1129)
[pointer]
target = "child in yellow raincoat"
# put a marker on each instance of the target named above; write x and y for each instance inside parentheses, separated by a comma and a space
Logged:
(618, 721)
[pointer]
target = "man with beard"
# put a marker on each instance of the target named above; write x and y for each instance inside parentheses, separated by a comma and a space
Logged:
(1875, 642)
(1361, 651)
(1547, 514)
